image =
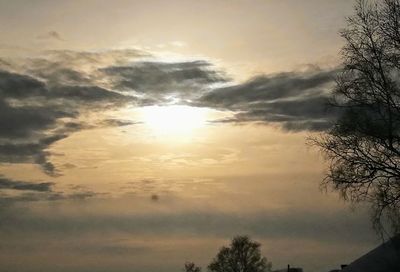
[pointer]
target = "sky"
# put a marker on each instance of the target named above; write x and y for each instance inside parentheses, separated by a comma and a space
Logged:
(138, 135)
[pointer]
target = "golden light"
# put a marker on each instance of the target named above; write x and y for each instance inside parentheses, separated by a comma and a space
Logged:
(174, 121)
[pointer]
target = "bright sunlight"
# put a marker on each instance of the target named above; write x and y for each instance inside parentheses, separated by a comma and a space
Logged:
(174, 121)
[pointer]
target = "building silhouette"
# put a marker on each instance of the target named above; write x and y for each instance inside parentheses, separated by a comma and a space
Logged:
(384, 258)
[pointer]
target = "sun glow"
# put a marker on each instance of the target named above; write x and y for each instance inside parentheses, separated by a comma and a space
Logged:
(174, 121)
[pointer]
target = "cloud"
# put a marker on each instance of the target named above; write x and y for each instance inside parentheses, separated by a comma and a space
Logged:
(23, 122)
(14, 192)
(165, 81)
(18, 86)
(13, 85)
(117, 122)
(38, 111)
(29, 196)
(51, 35)
(32, 152)
(311, 113)
(88, 94)
(297, 101)
(56, 74)
(23, 185)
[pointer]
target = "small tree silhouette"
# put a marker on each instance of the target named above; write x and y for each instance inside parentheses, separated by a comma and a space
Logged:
(243, 255)
(191, 267)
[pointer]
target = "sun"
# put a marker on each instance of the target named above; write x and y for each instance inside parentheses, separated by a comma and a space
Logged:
(175, 121)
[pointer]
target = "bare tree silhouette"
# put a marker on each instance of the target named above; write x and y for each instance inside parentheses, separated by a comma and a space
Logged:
(243, 255)
(363, 147)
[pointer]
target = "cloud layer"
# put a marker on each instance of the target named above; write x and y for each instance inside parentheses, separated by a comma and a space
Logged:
(297, 101)
(43, 98)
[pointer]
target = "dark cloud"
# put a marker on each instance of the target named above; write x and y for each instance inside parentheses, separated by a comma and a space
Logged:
(33, 112)
(18, 86)
(25, 121)
(14, 192)
(31, 152)
(28, 196)
(310, 113)
(51, 35)
(13, 85)
(268, 88)
(26, 131)
(23, 185)
(297, 101)
(70, 127)
(117, 122)
(161, 80)
(47, 167)
(88, 94)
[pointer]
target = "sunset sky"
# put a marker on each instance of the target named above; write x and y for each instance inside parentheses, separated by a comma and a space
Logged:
(138, 135)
